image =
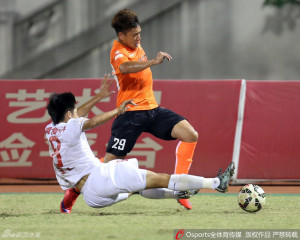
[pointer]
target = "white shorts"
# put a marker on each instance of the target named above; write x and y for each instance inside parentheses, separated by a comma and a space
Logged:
(112, 182)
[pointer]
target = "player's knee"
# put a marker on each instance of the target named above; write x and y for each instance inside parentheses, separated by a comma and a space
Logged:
(194, 136)
(157, 180)
(163, 180)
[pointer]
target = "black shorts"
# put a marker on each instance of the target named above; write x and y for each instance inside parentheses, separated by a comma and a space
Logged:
(129, 126)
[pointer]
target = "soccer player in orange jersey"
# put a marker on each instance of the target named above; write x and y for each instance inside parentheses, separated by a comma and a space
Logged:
(131, 69)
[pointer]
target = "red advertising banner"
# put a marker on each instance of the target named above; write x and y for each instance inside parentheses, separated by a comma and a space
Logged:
(270, 146)
(210, 106)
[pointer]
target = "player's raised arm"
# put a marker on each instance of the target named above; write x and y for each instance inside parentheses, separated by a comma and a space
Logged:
(161, 56)
(103, 93)
(137, 66)
(104, 117)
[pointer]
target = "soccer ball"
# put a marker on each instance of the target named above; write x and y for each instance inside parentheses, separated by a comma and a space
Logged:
(251, 198)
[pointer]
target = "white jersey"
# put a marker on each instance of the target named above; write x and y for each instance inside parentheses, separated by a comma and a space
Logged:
(72, 155)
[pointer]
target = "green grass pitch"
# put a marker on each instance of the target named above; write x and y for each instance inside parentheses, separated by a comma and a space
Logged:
(140, 218)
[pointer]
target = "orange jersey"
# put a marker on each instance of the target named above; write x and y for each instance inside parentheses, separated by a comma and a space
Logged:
(137, 86)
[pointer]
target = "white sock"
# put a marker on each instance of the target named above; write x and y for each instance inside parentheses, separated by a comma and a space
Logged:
(211, 183)
(183, 182)
(158, 193)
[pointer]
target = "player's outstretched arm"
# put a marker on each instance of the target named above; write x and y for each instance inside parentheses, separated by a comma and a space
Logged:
(103, 93)
(137, 66)
(104, 117)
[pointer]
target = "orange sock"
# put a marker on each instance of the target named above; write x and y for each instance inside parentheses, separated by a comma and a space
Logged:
(101, 160)
(184, 157)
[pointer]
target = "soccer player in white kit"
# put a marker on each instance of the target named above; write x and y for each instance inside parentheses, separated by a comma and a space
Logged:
(103, 184)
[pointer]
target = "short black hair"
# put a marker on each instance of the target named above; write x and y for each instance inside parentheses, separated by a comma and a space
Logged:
(59, 104)
(124, 20)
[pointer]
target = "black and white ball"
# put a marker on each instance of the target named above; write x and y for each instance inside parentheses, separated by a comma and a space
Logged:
(251, 198)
